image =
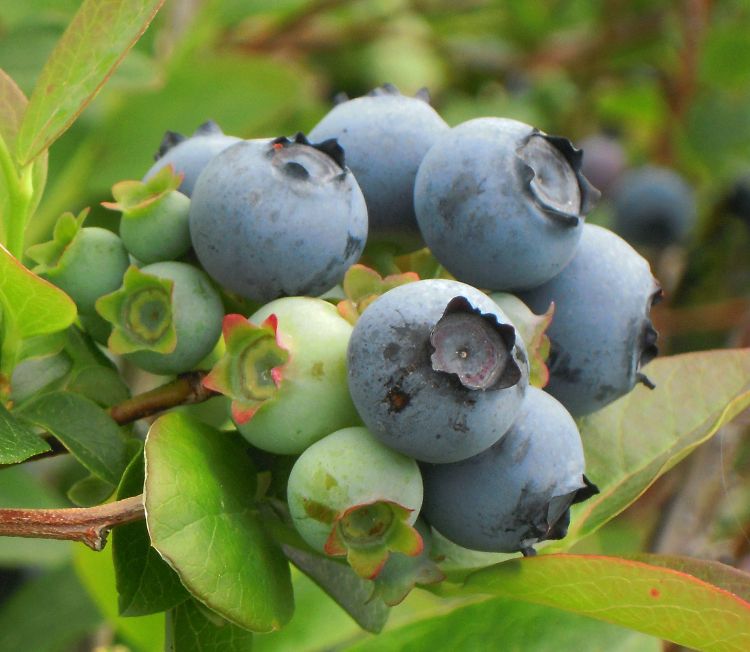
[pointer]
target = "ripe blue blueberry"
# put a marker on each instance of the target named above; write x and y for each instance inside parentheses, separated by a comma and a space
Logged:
(601, 333)
(518, 492)
(654, 206)
(501, 204)
(189, 156)
(278, 218)
(385, 135)
(603, 161)
(436, 370)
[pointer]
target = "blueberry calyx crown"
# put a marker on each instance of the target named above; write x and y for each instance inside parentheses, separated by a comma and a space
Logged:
(648, 342)
(385, 89)
(550, 167)
(329, 147)
(173, 138)
(475, 347)
(48, 255)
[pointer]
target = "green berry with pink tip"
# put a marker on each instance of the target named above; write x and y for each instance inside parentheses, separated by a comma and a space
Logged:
(165, 318)
(154, 224)
(84, 262)
(285, 371)
(349, 495)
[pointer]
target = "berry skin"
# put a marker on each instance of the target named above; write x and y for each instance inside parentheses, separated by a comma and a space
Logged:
(601, 333)
(501, 204)
(654, 206)
(385, 136)
(188, 156)
(436, 370)
(166, 317)
(349, 494)
(518, 492)
(288, 384)
(278, 218)
(85, 262)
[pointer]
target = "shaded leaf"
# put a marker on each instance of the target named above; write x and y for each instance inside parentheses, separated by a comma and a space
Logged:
(97, 575)
(145, 583)
(338, 580)
(90, 491)
(48, 614)
(12, 106)
(191, 627)
(84, 428)
(99, 36)
(18, 441)
(634, 440)
(19, 488)
(654, 600)
(510, 626)
(200, 486)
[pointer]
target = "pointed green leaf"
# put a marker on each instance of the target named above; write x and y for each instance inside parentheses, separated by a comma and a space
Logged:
(633, 441)
(18, 442)
(31, 304)
(145, 582)
(351, 592)
(99, 36)
(84, 428)
(650, 599)
(510, 626)
(191, 627)
(199, 492)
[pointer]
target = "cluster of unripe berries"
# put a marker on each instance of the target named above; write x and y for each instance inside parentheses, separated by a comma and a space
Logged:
(400, 396)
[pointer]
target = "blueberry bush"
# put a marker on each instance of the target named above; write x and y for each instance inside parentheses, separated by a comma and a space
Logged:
(374, 373)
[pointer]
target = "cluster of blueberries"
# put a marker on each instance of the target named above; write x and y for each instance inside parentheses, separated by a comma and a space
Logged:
(408, 396)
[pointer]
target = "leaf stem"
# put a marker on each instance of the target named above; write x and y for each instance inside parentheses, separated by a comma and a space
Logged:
(20, 188)
(89, 525)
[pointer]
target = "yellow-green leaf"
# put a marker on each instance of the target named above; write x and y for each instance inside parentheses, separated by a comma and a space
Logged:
(94, 44)
(659, 601)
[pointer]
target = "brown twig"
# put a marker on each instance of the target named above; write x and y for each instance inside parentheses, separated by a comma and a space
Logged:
(184, 390)
(89, 525)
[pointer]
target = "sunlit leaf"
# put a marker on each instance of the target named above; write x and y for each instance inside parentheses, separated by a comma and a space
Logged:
(662, 602)
(18, 441)
(99, 36)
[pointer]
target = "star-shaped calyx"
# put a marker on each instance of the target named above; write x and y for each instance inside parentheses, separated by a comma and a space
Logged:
(250, 372)
(135, 197)
(140, 313)
(48, 255)
(363, 285)
(368, 533)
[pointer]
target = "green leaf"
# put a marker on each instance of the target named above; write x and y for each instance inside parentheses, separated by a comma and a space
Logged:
(200, 486)
(193, 628)
(84, 428)
(50, 613)
(713, 572)
(96, 573)
(90, 491)
(657, 601)
(99, 36)
(510, 626)
(351, 592)
(145, 583)
(32, 305)
(18, 442)
(633, 441)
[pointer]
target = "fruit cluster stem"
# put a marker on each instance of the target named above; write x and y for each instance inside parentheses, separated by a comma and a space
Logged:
(89, 525)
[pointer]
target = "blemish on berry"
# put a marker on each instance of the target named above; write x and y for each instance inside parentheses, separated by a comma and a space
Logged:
(397, 399)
